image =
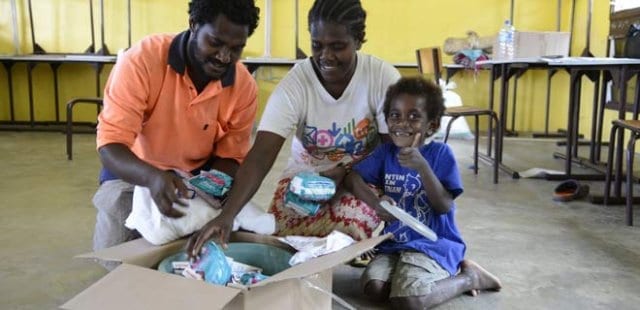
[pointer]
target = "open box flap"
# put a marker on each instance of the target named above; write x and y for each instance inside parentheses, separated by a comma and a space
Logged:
(140, 252)
(133, 287)
(137, 252)
(325, 262)
(243, 236)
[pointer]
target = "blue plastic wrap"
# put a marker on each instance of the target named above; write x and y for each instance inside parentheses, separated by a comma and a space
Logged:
(213, 264)
(301, 206)
(213, 182)
(252, 278)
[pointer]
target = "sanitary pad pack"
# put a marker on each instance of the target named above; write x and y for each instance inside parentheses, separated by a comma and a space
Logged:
(307, 191)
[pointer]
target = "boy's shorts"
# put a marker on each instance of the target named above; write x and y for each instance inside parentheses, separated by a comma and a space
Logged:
(410, 273)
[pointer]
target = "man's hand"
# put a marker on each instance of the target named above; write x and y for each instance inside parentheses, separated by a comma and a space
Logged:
(164, 187)
(410, 157)
(219, 228)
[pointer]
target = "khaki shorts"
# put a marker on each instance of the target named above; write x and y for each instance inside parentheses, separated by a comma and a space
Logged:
(410, 273)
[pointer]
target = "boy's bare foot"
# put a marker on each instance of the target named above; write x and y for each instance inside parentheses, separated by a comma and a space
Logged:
(481, 279)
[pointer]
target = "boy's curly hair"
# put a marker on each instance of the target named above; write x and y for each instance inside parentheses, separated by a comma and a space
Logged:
(242, 12)
(417, 86)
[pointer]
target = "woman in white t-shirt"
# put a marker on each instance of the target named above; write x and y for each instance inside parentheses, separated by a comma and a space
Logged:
(332, 103)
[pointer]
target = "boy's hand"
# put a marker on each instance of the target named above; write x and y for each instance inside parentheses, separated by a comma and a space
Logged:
(382, 213)
(410, 157)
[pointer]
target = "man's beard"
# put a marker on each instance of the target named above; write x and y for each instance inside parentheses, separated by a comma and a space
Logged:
(198, 65)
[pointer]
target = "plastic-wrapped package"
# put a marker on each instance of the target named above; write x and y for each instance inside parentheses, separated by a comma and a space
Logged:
(312, 186)
(213, 264)
(212, 182)
(301, 206)
(307, 191)
(252, 278)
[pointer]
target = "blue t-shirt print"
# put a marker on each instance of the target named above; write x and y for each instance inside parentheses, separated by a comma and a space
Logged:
(405, 186)
(413, 199)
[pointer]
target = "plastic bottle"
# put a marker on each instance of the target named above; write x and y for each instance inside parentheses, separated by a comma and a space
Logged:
(506, 41)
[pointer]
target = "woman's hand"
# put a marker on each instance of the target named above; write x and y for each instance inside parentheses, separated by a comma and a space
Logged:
(337, 174)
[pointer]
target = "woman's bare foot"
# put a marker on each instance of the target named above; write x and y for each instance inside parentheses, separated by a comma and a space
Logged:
(481, 279)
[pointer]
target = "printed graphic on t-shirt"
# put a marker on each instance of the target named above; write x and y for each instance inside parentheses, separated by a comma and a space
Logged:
(354, 139)
(409, 194)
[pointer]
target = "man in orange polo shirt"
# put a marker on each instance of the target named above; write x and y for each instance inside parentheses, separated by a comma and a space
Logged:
(175, 102)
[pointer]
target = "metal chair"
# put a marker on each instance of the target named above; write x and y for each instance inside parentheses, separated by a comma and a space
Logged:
(430, 62)
(95, 100)
(69, 128)
(634, 127)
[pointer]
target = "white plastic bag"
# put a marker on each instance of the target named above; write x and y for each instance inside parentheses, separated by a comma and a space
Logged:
(459, 128)
(310, 247)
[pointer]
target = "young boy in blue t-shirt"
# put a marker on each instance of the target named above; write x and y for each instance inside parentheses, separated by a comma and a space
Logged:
(422, 179)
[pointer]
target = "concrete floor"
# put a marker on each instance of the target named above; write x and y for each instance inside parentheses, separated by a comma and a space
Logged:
(549, 255)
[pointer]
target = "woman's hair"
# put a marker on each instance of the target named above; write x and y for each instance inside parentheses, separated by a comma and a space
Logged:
(343, 12)
(242, 12)
(420, 87)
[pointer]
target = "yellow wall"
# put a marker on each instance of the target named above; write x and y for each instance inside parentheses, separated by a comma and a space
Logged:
(394, 30)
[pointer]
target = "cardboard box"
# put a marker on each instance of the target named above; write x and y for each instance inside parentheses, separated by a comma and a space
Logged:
(136, 284)
(538, 44)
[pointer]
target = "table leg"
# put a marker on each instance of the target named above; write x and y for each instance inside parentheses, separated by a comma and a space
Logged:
(492, 80)
(631, 148)
(30, 67)
(606, 77)
(8, 65)
(574, 95)
(622, 88)
(595, 140)
(54, 68)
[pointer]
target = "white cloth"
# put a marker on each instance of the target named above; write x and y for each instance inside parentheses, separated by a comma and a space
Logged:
(329, 130)
(310, 247)
(254, 218)
(159, 229)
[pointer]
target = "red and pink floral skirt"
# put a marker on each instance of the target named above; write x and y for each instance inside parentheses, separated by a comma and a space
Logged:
(346, 214)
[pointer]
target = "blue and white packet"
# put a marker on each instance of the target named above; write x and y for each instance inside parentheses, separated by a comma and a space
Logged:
(311, 186)
(215, 183)
(301, 206)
